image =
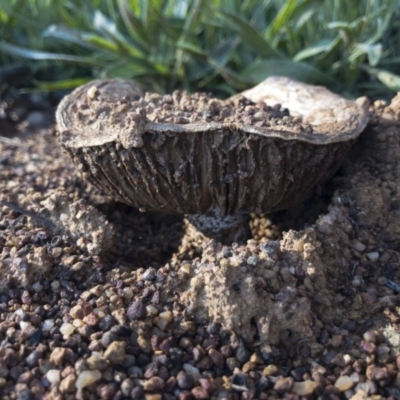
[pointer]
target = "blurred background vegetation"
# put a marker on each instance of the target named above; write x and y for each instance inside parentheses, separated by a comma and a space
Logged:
(221, 46)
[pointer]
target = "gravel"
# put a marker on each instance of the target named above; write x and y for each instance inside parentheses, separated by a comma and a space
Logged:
(182, 108)
(149, 308)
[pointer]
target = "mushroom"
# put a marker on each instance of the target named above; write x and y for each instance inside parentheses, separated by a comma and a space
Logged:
(215, 160)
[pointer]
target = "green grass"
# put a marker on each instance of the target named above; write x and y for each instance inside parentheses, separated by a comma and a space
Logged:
(223, 46)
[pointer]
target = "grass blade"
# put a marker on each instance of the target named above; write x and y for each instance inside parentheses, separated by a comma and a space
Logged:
(374, 52)
(47, 56)
(61, 85)
(281, 18)
(261, 70)
(312, 51)
(66, 34)
(249, 35)
(109, 29)
(389, 79)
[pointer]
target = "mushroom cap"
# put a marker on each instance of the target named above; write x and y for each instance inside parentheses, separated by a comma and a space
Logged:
(222, 166)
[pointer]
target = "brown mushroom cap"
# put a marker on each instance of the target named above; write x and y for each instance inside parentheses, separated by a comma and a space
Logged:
(207, 167)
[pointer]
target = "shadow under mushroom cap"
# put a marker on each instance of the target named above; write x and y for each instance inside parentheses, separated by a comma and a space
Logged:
(207, 156)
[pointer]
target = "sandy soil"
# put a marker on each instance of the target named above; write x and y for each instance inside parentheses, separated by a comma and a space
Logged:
(100, 301)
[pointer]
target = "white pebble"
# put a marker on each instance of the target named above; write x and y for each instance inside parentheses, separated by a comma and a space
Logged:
(10, 332)
(162, 323)
(109, 293)
(151, 310)
(55, 285)
(260, 115)
(149, 274)
(347, 359)
(19, 312)
(98, 312)
(48, 324)
(304, 388)
(344, 383)
(373, 256)
(53, 375)
(64, 217)
(370, 336)
(37, 287)
(355, 377)
(362, 387)
(77, 323)
(327, 219)
(356, 282)
(24, 324)
(163, 319)
(167, 315)
(86, 378)
(185, 269)
(92, 92)
(67, 329)
(127, 292)
(358, 246)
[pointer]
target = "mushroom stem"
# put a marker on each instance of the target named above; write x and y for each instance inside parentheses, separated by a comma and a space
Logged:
(225, 229)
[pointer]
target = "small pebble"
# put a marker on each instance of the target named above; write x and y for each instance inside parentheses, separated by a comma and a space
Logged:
(375, 373)
(358, 246)
(55, 286)
(356, 282)
(151, 310)
(77, 312)
(86, 378)
(67, 385)
(373, 256)
(126, 387)
(304, 388)
(151, 396)
(370, 336)
(57, 356)
(368, 347)
(270, 370)
(242, 354)
(185, 381)
(24, 325)
(153, 384)
(200, 393)
(137, 310)
(190, 369)
(53, 375)
(344, 383)
(95, 361)
(232, 363)
(163, 319)
(253, 261)
(37, 287)
(127, 292)
(360, 395)
(216, 357)
(115, 352)
(67, 329)
(92, 92)
(149, 274)
(48, 324)
(283, 385)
